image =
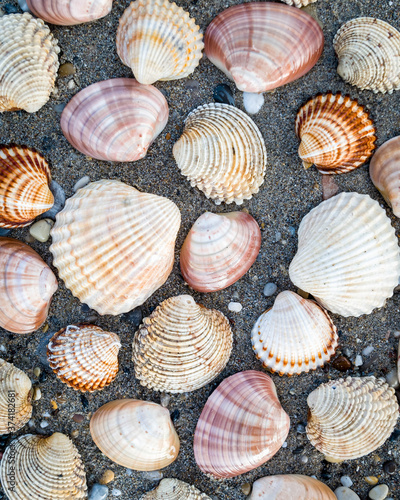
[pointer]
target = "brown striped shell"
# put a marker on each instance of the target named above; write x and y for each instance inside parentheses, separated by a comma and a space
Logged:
(173, 489)
(290, 486)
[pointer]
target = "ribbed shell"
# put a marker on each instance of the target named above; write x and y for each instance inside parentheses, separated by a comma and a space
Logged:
(115, 120)
(295, 336)
(336, 133)
(299, 3)
(45, 468)
(368, 51)
(182, 346)
(241, 426)
(173, 489)
(28, 63)
(222, 152)
(287, 486)
(69, 12)
(349, 418)
(113, 246)
(159, 41)
(348, 255)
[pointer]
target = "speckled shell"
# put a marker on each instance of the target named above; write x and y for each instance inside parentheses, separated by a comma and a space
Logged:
(85, 357)
(336, 133)
(299, 3)
(222, 152)
(159, 41)
(115, 120)
(348, 255)
(286, 486)
(48, 468)
(113, 246)
(349, 418)
(182, 346)
(173, 489)
(368, 51)
(69, 12)
(28, 63)
(136, 434)
(241, 426)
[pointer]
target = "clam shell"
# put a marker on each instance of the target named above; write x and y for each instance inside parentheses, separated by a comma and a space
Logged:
(28, 63)
(113, 246)
(173, 489)
(182, 346)
(299, 3)
(336, 133)
(159, 41)
(222, 152)
(348, 255)
(136, 434)
(241, 426)
(295, 336)
(287, 486)
(115, 120)
(69, 12)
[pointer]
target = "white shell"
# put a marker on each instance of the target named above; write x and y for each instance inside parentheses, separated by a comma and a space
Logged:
(173, 489)
(299, 3)
(290, 486)
(69, 12)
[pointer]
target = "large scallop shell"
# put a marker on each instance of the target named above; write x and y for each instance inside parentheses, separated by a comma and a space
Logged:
(241, 426)
(69, 12)
(136, 434)
(113, 246)
(222, 152)
(115, 120)
(173, 489)
(337, 135)
(348, 255)
(159, 41)
(28, 63)
(286, 486)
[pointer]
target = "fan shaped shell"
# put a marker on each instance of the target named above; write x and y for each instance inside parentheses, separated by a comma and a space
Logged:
(173, 489)
(299, 3)
(287, 486)
(69, 12)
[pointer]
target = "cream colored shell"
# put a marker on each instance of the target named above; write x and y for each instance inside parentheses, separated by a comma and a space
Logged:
(299, 3)
(290, 486)
(173, 489)
(69, 12)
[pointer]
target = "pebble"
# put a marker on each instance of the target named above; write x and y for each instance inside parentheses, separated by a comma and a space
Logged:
(302, 293)
(175, 415)
(346, 481)
(292, 391)
(71, 84)
(341, 363)
(392, 379)
(396, 334)
(284, 444)
(343, 493)
(358, 361)
(329, 186)
(81, 183)
(59, 200)
(301, 429)
(116, 493)
(192, 85)
(66, 69)
(235, 306)
(59, 108)
(41, 230)
(165, 399)
(107, 476)
(304, 459)
(371, 480)
(253, 102)
(37, 394)
(78, 418)
(380, 492)
(134, 317)
(36, 371)
(246, 488)
(154, 475)
(75, 434)
(278, 236)
(98, 492)
(389, 467)
(44, 424)
(367, 351)
(223, 93)
(4, 231)
(10, 9)
(270, 289)
(23, 5)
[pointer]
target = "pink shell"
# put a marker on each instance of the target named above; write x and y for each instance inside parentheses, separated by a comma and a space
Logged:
(69, 12)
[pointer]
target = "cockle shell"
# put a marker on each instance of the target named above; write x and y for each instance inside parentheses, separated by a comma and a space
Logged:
(286, 486)
(222, 152)
(295, 336)
(241, 426)
(115, 120)
(336, 133)
(26, 287)
(262, 46)
(69, 12)
(299, 3)
(349, 418)
(28, 63)
(113, 246)
(182, 346)
(136, 434)
(348, 255)
(159, 41)
(173, 489)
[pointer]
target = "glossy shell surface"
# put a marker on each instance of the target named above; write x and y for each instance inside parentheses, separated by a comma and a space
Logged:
(288, 486)
(69, 12)
(299, 3)
(173, 489)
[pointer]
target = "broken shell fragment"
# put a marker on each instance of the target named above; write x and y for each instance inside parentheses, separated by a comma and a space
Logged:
(173, 489)
(69, 12)
(287, 486)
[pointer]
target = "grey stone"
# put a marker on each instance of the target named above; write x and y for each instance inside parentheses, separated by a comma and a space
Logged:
(98, 492)
(343, 493)
(346, 481)
(379, 492)
(270, 289)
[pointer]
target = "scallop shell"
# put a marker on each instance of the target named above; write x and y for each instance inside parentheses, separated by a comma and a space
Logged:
(222, 152)
(173, 489)
(368, 51)
(295, 336)
(336, 133)
(136, 434)
(159, 41)
(350, 418)
(26, 287)
(115, 120)
(241, 426)
(28, 63)
(287, 486)
(299, 3)
(113, 246)
(182, 346)
(348, 255)
(69, 12)
(262, 46)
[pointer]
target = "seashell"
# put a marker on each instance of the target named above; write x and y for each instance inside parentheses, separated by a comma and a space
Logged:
(349, 418)
(241, 426)
(348, 255)
(222, 152)
(28, 63)
(136, 434)
(173, 489)
(182, 346)
(159, 41)
(26, 287)
(336, 133)
(290, 486)
(368, 52)
(115, 120)
(48, 468)
(113, 246)
(262, 46)
(219, 250)
(299, 3)
(296, 335)
(85, 357)
(69, 12)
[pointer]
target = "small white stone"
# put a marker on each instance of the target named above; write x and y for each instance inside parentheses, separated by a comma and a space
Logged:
(41, 230)
(165, 398)
(343, 493)
(81, 183)
(253, 102)
(346, 481)
(284, 444)
(396, 334)
(44, 424)
(358, 361)
(154, 475)
(392, 378)
(37, 394)
(24, 6)
(116, 493)
(46, 414)
(367, 351)
(235, 306)
(31, 423)
(379, 492)
(3, 348)
(270, 289)
(71, 84)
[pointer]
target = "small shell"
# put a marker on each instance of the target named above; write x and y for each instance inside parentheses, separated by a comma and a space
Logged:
(222, 152)
(295, 486)
(115, 120)
(173, 489)
(336, 133)
(159, 41)
(69, 12)
(28, 63)
(299, 3)
(136, 434)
